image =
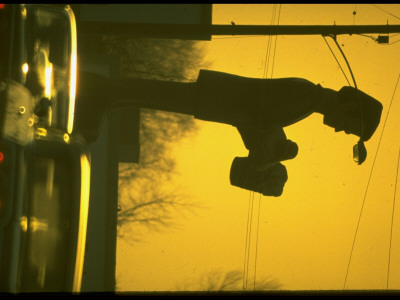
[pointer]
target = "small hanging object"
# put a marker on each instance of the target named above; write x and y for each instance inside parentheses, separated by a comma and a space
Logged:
(359, 152)
(383, 39)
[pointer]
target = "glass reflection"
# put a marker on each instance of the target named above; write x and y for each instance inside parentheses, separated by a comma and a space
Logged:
(46, 227)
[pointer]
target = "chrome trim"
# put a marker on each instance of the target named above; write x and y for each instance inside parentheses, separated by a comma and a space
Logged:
(83, 220)
(73, 70)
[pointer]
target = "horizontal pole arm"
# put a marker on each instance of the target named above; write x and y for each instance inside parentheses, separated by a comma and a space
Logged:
(144, 29)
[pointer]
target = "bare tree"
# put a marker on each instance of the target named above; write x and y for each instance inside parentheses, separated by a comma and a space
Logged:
(146, 197)
(227, 281)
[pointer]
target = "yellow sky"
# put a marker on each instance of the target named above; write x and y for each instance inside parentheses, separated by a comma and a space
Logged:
(305, 236)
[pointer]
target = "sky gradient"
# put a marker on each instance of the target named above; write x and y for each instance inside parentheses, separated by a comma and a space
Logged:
(306, 235)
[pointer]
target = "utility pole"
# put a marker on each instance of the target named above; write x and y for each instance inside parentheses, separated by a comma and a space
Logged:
(179, 30)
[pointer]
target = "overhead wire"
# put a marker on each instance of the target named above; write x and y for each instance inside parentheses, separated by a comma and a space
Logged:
(394, 42)
(376, 40)
(369, 36)
(345, 59)
(251, 198)
(268, 52)
(248, 240)
(276, 39)
(251, 204)
(354, 81)
(369, 180)
(391, 225)
(362, 130)
(385, 11)
(351, 252)
(355, 86)
(354, 14)
(256, 250)
(246, 244)
(340, 66)
(266, 67)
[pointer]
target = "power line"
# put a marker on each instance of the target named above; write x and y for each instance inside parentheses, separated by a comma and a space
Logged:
(263, 90)
(248, 238)
(391, 226)
(355, 86)
(385, 11)
(394, 42)
(276, 38)
(376, 40)
(340, 66)
(369, 180)
(257, 230)
(268, 53)
(251, 199)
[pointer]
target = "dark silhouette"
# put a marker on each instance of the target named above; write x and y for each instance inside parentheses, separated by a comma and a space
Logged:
(147, 195)
(258, 108)
(228, 281)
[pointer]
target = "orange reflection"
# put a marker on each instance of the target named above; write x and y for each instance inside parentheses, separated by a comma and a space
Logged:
(83, 218)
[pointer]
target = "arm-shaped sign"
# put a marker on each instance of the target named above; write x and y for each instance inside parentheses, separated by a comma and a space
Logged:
(258, 108)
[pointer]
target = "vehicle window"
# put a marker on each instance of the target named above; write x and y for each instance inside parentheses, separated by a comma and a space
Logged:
(46, 227)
